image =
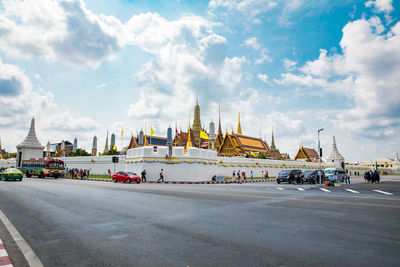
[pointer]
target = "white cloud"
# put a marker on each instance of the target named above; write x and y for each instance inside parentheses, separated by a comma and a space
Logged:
(381, 5)
(189, 62)
(263, 77)
(289, 64)
(19, 101)
(254, 44)
(251, 8)
(58, 30)
(367, 72)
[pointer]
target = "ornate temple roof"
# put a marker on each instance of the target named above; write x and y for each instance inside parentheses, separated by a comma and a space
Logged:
(335, 155)
(31, 141)
(251, 143)
(306, 153)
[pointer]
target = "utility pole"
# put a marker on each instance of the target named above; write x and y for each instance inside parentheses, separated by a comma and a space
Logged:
(319, 157)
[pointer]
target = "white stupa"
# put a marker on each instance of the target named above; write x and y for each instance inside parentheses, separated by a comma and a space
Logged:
(335, 156)
(396, 163)
(30, 147)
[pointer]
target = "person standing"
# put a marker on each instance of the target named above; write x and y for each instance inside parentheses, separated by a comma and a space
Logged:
(251, 175)
(161, 176)
(144, 176)
(233, 175)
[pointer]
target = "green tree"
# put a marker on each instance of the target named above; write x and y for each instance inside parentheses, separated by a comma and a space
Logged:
(111, 152)
(79, 153)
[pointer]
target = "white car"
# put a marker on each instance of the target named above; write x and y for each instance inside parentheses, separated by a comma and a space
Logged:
(335, 174)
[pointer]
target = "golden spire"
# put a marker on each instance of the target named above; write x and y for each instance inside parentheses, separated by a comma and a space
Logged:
(189, 141)
(239, 129)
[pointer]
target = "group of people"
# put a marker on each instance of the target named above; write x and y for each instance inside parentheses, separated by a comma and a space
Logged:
(239, 174)
(77, 173)
(372, 176)
(242, 174)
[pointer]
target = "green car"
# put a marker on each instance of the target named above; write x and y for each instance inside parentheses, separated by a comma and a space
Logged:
(11, 174)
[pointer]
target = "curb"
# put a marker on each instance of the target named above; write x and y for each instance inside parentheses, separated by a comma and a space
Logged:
(5, 260)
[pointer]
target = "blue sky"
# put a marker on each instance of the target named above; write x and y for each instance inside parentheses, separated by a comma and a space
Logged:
(85, 67)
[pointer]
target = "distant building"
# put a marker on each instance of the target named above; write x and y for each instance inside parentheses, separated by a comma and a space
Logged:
(75, 147)
(64, 148)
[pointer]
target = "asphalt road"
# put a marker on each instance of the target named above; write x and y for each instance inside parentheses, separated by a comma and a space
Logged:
(88, 223)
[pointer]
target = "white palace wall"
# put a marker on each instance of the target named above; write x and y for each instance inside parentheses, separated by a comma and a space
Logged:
(96, 164)
(196, 165)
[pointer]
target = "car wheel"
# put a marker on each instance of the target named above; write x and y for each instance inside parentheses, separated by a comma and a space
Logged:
(20, 179)
(114, 180)
(138, 182)
(278, 181)
(128, 181)
(289, 181)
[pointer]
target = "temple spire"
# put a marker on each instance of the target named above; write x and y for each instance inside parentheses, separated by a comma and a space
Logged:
(219, 121)
(196, 122)
(239, 128)
(106, 146)
(273, 140)
(335, 156)
(31, 140)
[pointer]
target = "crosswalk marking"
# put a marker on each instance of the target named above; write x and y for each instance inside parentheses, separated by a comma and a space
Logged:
(325, 190)
(383, 192)
(280, 188)
(352, 191)
(300, 189)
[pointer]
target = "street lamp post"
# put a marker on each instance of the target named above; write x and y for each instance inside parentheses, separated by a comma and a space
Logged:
(319, 157)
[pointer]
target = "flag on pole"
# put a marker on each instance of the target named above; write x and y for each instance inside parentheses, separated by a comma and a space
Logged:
(203, 135)
(252, 154)
(114, 147)
(151, 131)
(122, 132)
(176, 130)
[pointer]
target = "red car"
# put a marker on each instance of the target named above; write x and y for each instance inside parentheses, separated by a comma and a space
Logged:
(126, 177)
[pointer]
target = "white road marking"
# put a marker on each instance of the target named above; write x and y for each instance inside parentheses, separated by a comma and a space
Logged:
(352, 191)
(280, 188)
(26, 250)
(383, 192)
(325, 190)
(300, 189)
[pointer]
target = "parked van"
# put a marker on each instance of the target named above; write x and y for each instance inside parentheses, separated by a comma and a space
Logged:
(335, 174)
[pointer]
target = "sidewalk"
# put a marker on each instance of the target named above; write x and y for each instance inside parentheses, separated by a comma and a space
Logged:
(188, 182)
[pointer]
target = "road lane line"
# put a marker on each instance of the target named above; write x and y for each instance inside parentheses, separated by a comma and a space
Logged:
(383, 192)
(300, 189)
(352, 191)
(26, 250)
(348, 203)
(280, 188)
(325, 190)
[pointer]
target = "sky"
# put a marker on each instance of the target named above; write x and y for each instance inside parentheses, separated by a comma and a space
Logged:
(83, 68)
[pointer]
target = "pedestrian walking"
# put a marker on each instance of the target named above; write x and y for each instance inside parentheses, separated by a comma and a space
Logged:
(161, 176)
(144, 176)
(251, 175)
(233, 175)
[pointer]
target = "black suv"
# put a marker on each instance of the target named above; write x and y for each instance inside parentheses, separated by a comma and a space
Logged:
(289, 176)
